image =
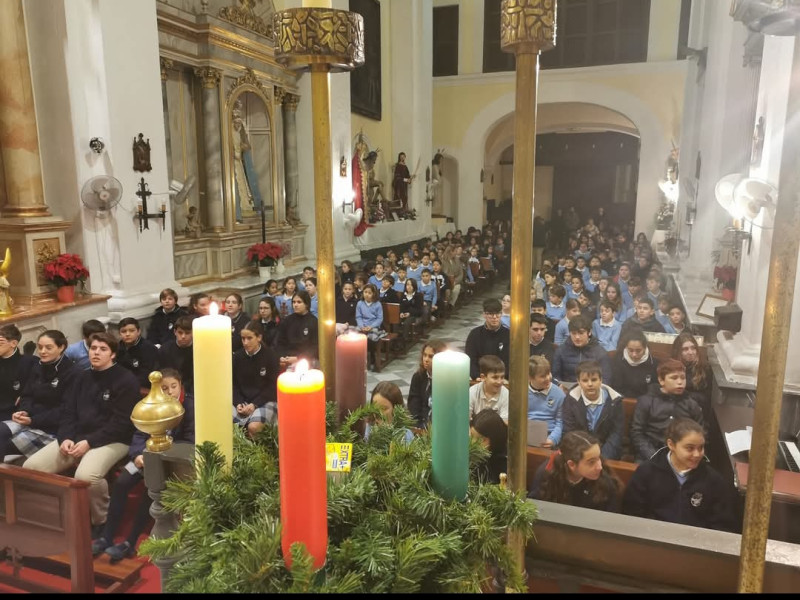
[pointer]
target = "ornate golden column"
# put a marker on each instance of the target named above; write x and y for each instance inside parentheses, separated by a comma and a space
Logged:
(526, 28)
(327, 41)
(19, 141)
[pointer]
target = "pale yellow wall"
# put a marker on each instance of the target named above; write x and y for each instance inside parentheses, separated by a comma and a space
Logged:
(662, 38)
(456, 106)
(379, 133)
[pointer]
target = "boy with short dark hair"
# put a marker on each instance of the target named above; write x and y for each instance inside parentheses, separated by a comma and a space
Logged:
(645, 318)
(489, 338)
(386, 291)
(136, 354)
(163, 321)
(400, 280)
(178, 352)
(537, 337)
(659, 406)
(606, 329)
(78, 352)
(578, 348)
(555, 303)
(595, 407)
(490, 392)
(562, 327)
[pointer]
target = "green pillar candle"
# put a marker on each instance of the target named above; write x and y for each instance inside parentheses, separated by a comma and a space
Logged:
(450, 424)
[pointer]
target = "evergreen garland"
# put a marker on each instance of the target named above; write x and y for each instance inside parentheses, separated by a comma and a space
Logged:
(388, 530)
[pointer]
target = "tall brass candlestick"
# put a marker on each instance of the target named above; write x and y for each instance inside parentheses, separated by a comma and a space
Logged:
(526, 28)
(326, 41)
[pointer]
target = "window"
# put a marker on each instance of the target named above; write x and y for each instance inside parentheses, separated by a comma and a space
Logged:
(445, 40)
(589, 32)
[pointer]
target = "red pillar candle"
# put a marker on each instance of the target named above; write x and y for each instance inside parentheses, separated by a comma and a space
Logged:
(301, 453)
(351, 372)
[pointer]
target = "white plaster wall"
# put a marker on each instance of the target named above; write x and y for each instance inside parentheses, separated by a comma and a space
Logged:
(96, 73)
(662, 36)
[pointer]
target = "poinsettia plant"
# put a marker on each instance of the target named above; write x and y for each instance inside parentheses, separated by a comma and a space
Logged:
(725, 277)
(266, 255)
(65, 269)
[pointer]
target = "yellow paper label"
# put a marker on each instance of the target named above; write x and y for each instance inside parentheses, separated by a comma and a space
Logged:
(337, 457)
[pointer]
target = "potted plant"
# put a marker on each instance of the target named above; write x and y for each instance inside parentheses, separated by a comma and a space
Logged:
(265, 255)
(65, 271)
(725, 277)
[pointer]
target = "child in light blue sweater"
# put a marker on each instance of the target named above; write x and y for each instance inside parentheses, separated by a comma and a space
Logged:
(545, 400)
(606, 329)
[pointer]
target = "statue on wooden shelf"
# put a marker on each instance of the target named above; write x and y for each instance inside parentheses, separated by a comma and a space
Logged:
(193, 224)
(246, 180)
(6, 302)
(375, 197)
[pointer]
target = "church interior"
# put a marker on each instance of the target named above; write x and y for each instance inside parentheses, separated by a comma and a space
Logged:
(202, 147)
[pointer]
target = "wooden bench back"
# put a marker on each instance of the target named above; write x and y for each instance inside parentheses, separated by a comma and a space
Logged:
(391, 314)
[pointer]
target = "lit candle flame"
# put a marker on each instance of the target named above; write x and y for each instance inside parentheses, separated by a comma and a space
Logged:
(213, 309)
(301, 368)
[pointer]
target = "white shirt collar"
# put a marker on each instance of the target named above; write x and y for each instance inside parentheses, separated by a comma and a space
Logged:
(598, 402)
(604, 324)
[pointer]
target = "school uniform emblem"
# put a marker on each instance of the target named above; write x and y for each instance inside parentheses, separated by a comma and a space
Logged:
(647, 378)
(170, 326)
(16, 385)
(500, 346)
(263, 371)
(233, 329)
(696, 499)
(550, 402)
(54, 383)
(107, 395)
(305, 331)
(135, 364)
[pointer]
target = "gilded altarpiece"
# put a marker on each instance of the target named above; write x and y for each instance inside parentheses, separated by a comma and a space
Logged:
(225, 101)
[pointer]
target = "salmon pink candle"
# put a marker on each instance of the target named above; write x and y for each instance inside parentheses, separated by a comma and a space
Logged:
(301, 454)
(351, 372)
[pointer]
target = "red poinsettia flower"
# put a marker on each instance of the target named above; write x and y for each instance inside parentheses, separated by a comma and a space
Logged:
(266, 254)
(65, 269)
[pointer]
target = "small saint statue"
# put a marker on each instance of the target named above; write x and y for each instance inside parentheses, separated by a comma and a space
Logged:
(193, 224)
(6, 302)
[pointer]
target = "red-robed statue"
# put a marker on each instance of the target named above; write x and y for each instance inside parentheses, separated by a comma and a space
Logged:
(402, 178)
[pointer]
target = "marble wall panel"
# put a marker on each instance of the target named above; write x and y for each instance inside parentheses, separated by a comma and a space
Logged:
(188, 266)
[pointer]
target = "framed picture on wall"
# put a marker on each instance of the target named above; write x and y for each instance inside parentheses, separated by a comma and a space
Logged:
(709, 303)
(365, 82)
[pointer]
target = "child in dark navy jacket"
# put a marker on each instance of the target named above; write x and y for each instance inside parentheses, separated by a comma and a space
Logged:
(135, 353)
(659, 406)
(575, 475)
(596, 408)
(679, 485)
(15, 369)
(255, 378)
(130, 476)
(163, 321)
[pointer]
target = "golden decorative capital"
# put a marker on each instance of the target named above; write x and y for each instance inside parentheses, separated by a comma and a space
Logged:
(290, 101)
(210, 76)
(280, 93)
(306, 36)
(527, 26)
(166, 65)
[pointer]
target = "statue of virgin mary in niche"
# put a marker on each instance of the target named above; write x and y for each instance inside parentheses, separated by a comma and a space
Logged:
(245, 177)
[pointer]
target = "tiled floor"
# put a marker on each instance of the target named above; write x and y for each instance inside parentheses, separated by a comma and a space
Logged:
(453, 332)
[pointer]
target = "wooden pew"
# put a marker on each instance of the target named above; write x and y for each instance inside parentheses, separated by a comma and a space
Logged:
(44, 520)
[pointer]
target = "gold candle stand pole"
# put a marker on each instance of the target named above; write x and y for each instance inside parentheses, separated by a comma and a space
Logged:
(526, 28)
(325, 41)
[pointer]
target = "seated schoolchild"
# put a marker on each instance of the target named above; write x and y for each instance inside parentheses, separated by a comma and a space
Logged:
(537, 338)
(490, 392)
(555, 303)
(594, 407)
(386, 292)
(645, 318)
(35, 420)
(284, 301)
(15, 370)
(562, 327)
(311, 290)
(239, 318)
(136, 354)
(419, 392)
(400, 281)
(661, 405)
(662, 308)
(633, 368)
(78, 352)
(676, 320)
(586, 301)
(545, 400)
(163, 320)
(579, 347)
(133, 473)
(606, 329)
(369, 314)
(386, 395)
(298, 334)
(255, 378)
(346, 303)
(268, 317)
(199, 304)
(678, 485)
(539, 307)
(178, 353)
(491, 430)
(412, 308)
(377, 277)
(95, 429)
(576, 475)
(270, 288)
(430, 296)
